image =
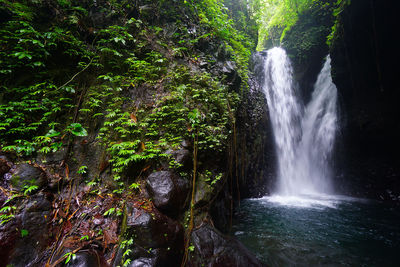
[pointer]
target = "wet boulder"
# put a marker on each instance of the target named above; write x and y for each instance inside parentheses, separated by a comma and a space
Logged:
(183, 157)
(229, 69)
(153, 229)
(4, 166)
(85, 259)
(207, 188)
(33, 233)
(143, 262)
(157, 239)
(213, 249)
(27, 175)
(168, 191)
(55, 157)
(155, 258)
(8, 237)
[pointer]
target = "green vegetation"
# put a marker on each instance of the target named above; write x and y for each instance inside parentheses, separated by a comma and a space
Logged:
(275, 17)
(135, 79)
(7, 212)
(60, 74)
(340, 6)
(213, 14)
(31, 103)
(142, 135)
(306, 40)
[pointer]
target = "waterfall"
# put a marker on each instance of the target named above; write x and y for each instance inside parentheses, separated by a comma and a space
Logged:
(304, 135)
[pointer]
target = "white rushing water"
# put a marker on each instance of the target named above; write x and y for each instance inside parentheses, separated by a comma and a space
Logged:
(304, 135)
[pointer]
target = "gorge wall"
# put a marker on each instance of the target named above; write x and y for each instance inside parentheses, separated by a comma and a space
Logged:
(365, 71)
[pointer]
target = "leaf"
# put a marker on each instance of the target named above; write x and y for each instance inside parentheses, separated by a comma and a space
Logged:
(38, 64)
(109, 212)
(22, 55)
(24, 233)
(126, 253)
(134, 186)
(52, 133)
(30, 189)
(66, 171)
(77, 129)
(85, 237)
(110, 236)
(146, 168)
(69, 256)
(142, 147)
(82, 170)
(194, 116)
(133, 118)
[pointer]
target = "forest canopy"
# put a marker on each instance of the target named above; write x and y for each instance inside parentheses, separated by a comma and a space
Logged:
(276, 17)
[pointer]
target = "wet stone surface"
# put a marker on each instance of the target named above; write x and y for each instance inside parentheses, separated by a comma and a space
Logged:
(168, 191)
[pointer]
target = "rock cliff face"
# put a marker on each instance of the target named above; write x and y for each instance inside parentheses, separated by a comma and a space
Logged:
(155, 104)
(365, 71)
(256, 154)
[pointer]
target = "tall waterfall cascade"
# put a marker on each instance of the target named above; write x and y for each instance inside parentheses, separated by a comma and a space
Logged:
(304, 134)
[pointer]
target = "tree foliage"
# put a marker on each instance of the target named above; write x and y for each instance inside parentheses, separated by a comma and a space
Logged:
(276, 17)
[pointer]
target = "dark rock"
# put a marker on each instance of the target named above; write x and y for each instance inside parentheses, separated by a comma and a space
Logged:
(55, 157)
(92, 155)
(155, 258)
(211, 248)
(169, 192)
(183, 157)
(255, 143)
(4, 167)
(365, 71)
(204, 191)
(33, 219)
(8, 238)
(84, 259)
(25, 174)
(186, 144)
(153, 229)
(143, 262)
(158, 240)
(220, 210)
(203, 64)
(37, 203)
(228, 68)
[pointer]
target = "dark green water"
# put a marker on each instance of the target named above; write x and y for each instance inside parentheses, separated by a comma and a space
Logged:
(321, 231)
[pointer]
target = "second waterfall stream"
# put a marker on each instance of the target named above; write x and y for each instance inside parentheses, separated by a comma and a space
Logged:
(304, 134)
